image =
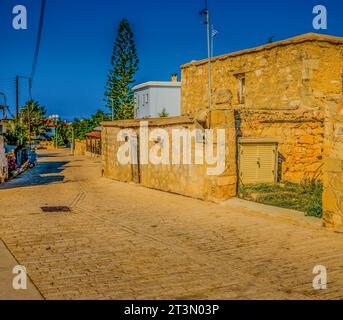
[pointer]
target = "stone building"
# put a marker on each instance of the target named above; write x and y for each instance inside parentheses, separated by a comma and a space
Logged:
(277, 90)
(271, 101)
(333, 159)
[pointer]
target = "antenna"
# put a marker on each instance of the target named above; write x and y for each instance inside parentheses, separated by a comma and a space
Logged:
(206, 13)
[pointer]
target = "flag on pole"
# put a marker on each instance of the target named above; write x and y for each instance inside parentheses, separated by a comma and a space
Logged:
(214, 32)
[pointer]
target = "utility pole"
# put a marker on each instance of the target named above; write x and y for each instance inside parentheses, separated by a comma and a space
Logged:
(29, 122)
(208, 26)
(16, 98)
(205, 12)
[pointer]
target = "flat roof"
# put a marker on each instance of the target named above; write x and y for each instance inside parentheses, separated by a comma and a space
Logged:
(157, 84)
(308, 37)
(152, 122)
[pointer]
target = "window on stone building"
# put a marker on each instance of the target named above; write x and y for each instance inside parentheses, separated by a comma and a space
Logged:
(241, 88)
(147, 98)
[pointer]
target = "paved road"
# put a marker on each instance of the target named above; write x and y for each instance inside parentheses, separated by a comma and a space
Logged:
(123, 241)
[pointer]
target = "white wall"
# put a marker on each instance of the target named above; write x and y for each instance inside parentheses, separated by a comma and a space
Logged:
(142, 108)
(158, 98)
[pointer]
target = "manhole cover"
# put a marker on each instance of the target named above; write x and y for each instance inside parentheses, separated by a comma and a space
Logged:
(55, 209)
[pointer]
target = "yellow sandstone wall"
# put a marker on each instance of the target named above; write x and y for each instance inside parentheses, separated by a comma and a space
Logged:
(49, 145)
(285, 84)
(300, 140)
(333, 169)
(286, 75)
(189, 180)
(80, 147)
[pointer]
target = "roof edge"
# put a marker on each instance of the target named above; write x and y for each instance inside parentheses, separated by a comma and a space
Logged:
(307, 37)
(152, 122)
(157, 84)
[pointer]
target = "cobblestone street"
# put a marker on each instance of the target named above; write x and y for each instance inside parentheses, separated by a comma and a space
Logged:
(123, 241)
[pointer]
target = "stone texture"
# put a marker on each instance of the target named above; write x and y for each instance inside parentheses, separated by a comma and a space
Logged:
(333, 169)
(285, 87)
(49, 145)
(286, 75)
(186, 179)
(122, 241)
(79, 147)
(300, 140)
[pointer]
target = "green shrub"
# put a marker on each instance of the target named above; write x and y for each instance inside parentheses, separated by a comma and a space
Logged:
(305, 196)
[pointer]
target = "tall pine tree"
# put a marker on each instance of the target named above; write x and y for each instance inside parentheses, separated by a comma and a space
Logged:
(124, 63)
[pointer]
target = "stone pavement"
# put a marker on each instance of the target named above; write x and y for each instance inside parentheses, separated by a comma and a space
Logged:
(123, 241)
(7, 292)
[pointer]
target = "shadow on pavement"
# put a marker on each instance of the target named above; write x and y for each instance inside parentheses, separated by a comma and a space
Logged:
(43, 174)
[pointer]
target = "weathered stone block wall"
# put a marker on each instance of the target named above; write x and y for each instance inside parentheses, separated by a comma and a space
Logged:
(300, 138)
(111, 166)
(285, 85)
(286, 75)
(185, 179)
(79, 147)
(49, 145)
(333, 168)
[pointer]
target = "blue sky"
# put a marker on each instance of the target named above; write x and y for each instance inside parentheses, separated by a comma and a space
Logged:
(78, 37)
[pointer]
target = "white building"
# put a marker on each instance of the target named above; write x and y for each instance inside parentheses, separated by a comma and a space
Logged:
(155, 97)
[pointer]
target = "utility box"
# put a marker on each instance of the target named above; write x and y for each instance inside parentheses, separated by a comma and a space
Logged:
(257, 160)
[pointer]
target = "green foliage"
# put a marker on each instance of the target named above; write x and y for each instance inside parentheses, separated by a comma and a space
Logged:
(305, 196)
(31, 119)
(124, 61)
(82, 126)
(33, 115)
(163, 113)
(314, 190)
(16, 133)
(63, 132)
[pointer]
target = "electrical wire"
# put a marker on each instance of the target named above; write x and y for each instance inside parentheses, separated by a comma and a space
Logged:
(39, 37)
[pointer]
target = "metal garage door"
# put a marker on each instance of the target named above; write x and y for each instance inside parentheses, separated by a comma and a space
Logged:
(257, 161)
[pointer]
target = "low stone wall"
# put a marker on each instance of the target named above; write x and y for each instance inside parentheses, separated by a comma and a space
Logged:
(3, 162)
(333, 169)
(49, 145)
(79, 147)
(186, 179)
(300, 137)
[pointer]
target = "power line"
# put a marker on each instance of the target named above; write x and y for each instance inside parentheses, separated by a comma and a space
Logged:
(9, 82)
(39, 36)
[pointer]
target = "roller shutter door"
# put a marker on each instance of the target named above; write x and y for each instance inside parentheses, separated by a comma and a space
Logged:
(257, 163)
